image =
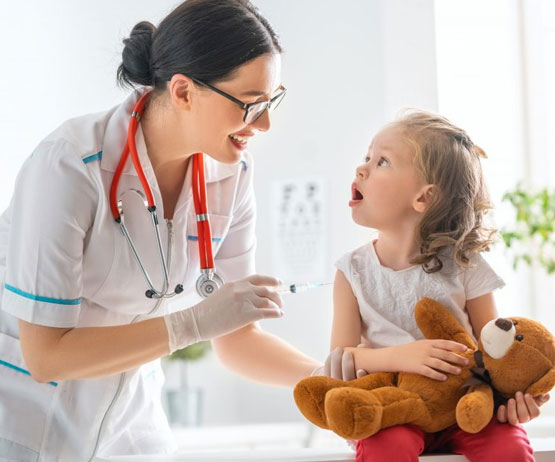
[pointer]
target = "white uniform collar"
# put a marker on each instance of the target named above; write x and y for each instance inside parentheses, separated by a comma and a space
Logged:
(115, 137)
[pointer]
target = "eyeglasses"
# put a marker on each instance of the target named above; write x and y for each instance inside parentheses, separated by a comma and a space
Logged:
(253, 111)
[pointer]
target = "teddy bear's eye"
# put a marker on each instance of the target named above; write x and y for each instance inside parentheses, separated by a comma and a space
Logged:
(519, 338)
(515, 323)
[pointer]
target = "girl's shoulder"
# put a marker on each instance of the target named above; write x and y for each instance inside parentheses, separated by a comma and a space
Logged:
(355, 260)
(360, 253)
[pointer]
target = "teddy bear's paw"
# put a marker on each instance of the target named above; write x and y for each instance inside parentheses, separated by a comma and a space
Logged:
(473, 413)
(310, 394)
(353, 413)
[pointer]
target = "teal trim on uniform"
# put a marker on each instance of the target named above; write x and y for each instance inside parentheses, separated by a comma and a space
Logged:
(38, 298)
(93, 157)
(195, 238)
(245, 165)
(23, 371)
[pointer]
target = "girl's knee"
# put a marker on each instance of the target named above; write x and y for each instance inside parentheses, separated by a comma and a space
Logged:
(401, 443)
(505, 442)
(509, 451)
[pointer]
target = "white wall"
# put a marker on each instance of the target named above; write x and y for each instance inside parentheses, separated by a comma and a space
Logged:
(348, 69)
(348, 66)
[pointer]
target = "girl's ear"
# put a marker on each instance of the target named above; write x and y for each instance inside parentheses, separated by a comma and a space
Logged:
(423, 198)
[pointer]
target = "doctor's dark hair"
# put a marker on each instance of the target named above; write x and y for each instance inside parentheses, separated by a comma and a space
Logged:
(202, 39)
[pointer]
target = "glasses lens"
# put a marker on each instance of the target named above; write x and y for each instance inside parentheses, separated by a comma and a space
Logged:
(255, 111)
(274, 102)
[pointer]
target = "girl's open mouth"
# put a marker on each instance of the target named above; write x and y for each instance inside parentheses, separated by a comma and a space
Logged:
(356, 196)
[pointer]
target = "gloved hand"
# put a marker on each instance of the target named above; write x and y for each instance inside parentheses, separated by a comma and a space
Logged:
(340, 365)
(233, 306)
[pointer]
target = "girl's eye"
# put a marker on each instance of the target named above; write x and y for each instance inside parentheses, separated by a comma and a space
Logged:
(383, 162)
(366, 159)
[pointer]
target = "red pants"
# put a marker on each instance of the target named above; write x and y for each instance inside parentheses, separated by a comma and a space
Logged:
(404, 443)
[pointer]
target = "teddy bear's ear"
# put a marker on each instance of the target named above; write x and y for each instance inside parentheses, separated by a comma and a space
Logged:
(543, 385)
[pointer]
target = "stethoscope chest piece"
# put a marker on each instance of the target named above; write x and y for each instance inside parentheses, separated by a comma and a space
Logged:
(208, 283)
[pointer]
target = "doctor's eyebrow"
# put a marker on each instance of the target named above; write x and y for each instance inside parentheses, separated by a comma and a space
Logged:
(258, 92)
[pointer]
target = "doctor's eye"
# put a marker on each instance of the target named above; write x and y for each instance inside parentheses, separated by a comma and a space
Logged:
(519, 338)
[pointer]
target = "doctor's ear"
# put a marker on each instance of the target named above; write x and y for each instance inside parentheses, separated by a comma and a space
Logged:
(180, 87)
(424, 197)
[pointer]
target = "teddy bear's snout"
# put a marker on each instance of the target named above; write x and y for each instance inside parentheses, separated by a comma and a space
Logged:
(504, 324)
(497, 337)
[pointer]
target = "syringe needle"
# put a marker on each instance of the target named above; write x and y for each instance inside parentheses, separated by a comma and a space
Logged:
(296, 288)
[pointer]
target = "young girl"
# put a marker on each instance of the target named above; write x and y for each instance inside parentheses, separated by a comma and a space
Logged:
(421, 188)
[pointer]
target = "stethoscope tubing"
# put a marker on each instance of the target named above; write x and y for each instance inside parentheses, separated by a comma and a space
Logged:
(209, 281)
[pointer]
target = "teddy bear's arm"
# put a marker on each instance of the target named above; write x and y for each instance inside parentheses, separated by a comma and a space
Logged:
(543, 385)
(475, 409)
(436, 322)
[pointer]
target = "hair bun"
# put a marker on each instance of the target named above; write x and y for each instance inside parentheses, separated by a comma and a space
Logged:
(135, 68)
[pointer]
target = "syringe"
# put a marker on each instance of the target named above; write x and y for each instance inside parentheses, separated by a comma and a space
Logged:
(296, 288)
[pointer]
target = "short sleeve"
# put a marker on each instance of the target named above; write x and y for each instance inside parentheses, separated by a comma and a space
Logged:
(344, 265)
(236, 256)
(52, 208)
(480, 279)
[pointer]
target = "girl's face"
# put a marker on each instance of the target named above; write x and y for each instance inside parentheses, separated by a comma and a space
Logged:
(386, 184)
(219, 128)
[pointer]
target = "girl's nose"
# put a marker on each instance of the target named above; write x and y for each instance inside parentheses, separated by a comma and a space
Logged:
(362, 172)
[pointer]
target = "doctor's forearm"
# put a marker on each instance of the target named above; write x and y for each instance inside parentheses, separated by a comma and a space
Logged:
(263, 357)
(54, 354)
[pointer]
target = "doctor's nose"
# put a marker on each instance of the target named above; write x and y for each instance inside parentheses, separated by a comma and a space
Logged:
(262, 124)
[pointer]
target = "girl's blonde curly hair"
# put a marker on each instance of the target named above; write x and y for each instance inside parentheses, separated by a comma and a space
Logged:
(446, 157)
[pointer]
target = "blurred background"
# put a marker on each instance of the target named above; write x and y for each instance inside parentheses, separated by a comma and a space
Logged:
(349, 67)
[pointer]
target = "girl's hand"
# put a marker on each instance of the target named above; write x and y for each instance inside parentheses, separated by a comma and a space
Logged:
(429, 357)
(522, 408)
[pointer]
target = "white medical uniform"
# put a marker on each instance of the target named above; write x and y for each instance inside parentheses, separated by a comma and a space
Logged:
(65, 263)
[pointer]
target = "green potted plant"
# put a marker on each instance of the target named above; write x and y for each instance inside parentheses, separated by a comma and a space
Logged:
(183, 402)
(531, 238)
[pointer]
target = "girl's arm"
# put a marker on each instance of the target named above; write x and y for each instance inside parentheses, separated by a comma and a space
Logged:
(346, 329)
(481, 310)
(346, 326)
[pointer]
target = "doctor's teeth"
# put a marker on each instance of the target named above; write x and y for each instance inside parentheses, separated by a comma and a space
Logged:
(240, 139)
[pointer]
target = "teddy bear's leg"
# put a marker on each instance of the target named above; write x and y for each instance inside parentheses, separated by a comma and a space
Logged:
(435, 321)
(356, 414)
(475, 409)
(310, 393)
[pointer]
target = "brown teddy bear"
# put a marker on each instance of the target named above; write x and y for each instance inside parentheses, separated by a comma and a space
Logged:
(514, 354)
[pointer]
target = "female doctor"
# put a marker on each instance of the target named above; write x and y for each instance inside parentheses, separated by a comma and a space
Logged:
(86, 280)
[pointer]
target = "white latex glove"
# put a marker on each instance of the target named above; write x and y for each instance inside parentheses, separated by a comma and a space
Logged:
(233, 306)
(340, 365)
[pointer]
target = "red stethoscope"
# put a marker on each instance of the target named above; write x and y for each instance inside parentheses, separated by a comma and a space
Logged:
(209, 281)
